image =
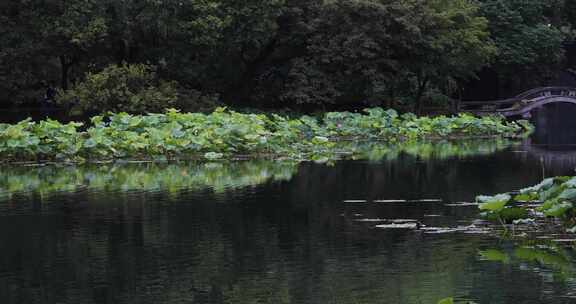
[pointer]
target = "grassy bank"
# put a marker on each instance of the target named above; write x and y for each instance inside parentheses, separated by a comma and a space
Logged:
(223, 134)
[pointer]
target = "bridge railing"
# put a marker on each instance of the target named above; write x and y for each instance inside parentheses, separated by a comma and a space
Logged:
(547, 91)
(487, 106)
(517, 101)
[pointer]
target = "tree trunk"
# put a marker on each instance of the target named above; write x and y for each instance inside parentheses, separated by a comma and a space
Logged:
(243, 90)
(422, 84)
(456, 102)
(65, 66)
(391, 103)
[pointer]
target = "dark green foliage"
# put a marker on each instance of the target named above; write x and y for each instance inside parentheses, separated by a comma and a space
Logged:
(555, 195)
(131, 88)
(397, 53)
(529, 44)
(376, 52)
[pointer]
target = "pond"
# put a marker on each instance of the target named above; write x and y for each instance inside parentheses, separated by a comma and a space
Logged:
(277, 231)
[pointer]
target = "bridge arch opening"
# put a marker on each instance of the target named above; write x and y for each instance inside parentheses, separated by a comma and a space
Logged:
(555, 124)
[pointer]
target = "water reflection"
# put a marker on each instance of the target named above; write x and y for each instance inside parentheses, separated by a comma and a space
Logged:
(536, 257)
(264, 231)
(433, 150)
(555, 265)
(555, 125)
(152, 177)
(553, 160)
(193, 176)
(553, 144)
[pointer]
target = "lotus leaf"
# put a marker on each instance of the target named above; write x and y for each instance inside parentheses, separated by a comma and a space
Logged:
(174, 134)
(494, 255)
(493, 203)
(568, 194)
(526, 197)
(446, 301)
(545, 184)
(513, 213)
(558, 210)
(571, 183)
(550, 192)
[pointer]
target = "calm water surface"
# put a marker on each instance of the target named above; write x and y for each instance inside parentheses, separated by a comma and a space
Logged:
(276, 232)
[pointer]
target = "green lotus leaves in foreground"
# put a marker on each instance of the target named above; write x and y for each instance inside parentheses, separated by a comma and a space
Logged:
(557, 198)
(568, 194)
(526, 197)
(494, 255)
(551, 192)
(446, 301)
(513, 213)
(493, 203)
(559, 210)
(571, 183)
(545, 184)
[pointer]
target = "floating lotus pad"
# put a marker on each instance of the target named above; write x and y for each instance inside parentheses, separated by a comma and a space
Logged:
(461, 204)
(398, 226)
(390, 201)
(409, 201)
(368, 220)
(564, 240)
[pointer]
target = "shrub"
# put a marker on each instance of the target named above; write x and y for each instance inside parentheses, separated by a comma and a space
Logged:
(196, 101)
(130, 88)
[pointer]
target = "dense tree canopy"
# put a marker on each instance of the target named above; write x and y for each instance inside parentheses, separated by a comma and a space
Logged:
(279, 53)
(529, 45)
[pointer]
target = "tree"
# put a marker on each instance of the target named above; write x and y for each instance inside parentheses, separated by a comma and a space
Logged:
(453, 45)
(46, 39)
(286, 53)
(529, 45)
(122, 88)
(374, 50)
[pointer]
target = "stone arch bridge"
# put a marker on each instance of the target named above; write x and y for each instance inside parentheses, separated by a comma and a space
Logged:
(523, 104)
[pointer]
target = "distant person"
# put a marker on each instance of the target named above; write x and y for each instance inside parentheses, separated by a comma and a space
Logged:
(50, 95)
(48, 101)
